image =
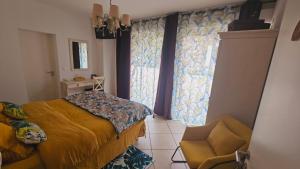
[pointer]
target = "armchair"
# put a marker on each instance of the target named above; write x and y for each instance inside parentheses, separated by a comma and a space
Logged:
(204, 151)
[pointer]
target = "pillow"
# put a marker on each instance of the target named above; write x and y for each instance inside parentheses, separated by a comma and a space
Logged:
(10, 148)
(223, 140)
(13, 110)
(28, 133)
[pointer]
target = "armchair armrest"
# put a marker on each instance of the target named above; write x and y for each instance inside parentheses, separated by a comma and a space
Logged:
(199, 132)
(226, 161)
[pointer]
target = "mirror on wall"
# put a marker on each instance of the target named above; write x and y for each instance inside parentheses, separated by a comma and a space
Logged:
(79, 54)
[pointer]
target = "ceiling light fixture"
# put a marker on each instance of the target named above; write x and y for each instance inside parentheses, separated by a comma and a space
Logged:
(107, 25)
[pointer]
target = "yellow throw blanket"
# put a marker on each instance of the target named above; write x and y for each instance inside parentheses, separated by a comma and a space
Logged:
(69, 145)
(103, 129)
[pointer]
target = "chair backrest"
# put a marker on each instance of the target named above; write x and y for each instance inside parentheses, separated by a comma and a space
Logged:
(98, 83)
(239, 129)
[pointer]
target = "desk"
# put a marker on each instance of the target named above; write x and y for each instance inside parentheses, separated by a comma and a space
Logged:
(70, 87)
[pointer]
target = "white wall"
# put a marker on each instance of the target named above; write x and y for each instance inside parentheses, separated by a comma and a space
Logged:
(38, 52)
(276, 138)
(12, 84)
(36, 16)
(109, 65)
(49, 19)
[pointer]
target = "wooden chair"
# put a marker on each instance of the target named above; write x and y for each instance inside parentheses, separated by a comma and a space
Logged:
(98, 83)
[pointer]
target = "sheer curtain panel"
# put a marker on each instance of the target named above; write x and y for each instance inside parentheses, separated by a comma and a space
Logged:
(195, 59)
(146, 45)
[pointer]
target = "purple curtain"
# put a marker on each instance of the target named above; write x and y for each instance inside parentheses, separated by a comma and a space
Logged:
(163, 100)
(123, 64)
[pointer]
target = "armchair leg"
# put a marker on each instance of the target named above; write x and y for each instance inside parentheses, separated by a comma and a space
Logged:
(177, 161)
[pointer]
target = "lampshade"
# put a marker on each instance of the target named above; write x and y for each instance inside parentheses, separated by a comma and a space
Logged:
(114, 11)
(108, 25)
(97, 10)
(99, 22)
(97, 15)
(126, 20)
(117, 23)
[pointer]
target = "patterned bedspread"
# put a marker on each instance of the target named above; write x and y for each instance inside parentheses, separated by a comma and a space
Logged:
(121, 113)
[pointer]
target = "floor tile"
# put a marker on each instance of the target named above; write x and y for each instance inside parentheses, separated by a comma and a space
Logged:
(149, 118)
(162, 141)
(151, 167)
(147, 128)
(158, 128)
(163, 160)
(176, 126)
(143, 143)
(162, 137)
(181, 154)
(156, 120)
(177, 137)
(174, 122)
(149, 152)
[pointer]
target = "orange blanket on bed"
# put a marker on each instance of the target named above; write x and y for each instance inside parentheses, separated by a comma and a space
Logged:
(103, 129)
(69, 145)
(73, 135)
(76, 138)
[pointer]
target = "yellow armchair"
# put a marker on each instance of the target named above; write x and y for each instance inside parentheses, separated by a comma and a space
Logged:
(199, 148)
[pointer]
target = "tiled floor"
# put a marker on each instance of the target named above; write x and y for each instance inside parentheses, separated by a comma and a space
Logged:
(162, 137)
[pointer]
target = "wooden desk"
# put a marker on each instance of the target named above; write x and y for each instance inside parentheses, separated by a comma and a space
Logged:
(71, 87)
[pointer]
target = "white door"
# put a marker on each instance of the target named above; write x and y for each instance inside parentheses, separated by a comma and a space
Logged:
(275, 142)
(38, 52)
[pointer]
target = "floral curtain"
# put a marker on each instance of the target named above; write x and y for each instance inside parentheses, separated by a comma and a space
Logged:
(146, 44)
(195, 59)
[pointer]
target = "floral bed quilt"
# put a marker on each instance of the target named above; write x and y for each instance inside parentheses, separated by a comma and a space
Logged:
(120, 112)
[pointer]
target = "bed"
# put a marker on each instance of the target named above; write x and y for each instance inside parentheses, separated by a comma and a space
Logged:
(76, 138)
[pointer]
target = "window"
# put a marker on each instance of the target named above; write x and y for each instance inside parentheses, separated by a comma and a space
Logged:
(146, 45)
(195, 59)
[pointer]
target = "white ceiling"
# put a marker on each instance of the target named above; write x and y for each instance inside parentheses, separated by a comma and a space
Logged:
(140, 8)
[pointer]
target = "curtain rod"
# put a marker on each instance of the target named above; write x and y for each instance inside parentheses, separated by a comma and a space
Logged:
(149, 18)
(210, 9)
(215, 8)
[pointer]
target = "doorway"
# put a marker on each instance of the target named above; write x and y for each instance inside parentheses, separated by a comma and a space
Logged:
(39, 54)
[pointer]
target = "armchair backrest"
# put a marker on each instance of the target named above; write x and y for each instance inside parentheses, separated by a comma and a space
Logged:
(239, 129)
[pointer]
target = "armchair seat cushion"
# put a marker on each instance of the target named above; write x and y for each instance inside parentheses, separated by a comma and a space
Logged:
(196, 152)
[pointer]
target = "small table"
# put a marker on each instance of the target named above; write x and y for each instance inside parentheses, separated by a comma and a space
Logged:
(70, 87)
